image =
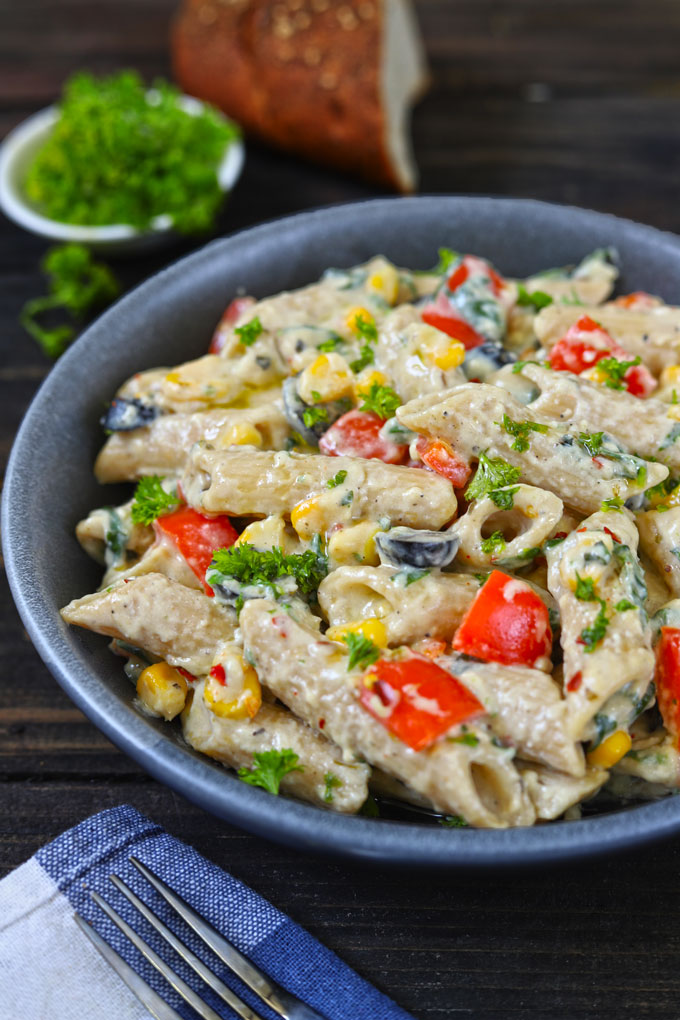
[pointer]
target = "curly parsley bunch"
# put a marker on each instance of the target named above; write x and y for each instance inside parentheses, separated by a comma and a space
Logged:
(122, 153)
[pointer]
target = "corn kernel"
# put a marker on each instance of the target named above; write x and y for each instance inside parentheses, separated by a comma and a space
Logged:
(163, 690)
(372, 629)
(366, 379)
(450, 356)
(610, 750)
(358, 313)
(327, 378)
(239, 434)
(595, 374)
(668, 499)
(670, 375)
(175, 377)
(355, 544)
(308, 518)
(240, 696)
(384, 283)
(265, 534)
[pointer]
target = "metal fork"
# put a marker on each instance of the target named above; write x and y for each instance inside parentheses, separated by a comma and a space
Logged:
(282, 1002)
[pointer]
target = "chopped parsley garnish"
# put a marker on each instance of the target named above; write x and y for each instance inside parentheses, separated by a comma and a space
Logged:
(537, 299)
(615, 503)
(120, 152)
(409, 575)
(504, 498)
(365, 328)
(671, 437)
(251, 566)
(269, 768)
(311, 416)
(453, 822)
(624, 605)
(591, 636)
(116, 535)
(77, 285)
(519, 365)
(585, 589)
(362, 651)
(366, 358)
(334, 341)
(604, 725)
(494, 543)
(530, 553)
(520, 430)
(556, 540)
(591, 442)
(249, 332)
(446, 259)
(492, 473)
(381, 400)
(151, 500)
(482, 578)
(332, 782)
(336, 480)
(348, 498)
(469, 739)
(615, 370)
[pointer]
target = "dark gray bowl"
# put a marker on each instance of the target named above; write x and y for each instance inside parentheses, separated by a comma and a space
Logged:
(49, 487)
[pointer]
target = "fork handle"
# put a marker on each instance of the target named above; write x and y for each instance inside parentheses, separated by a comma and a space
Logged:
(294, 1009)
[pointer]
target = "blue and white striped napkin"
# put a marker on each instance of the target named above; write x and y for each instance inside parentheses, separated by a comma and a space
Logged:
(49, 969)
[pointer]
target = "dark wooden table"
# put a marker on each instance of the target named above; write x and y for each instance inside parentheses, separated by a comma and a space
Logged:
(569, 100)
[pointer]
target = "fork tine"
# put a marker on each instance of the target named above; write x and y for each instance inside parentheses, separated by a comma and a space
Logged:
(148, 998)
(279, 1000)
(187, 955)
(180, 986)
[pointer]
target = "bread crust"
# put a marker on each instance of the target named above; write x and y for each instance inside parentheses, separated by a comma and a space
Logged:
(304, 75)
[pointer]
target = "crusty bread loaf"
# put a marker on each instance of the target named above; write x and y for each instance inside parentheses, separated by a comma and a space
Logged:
(331, 80)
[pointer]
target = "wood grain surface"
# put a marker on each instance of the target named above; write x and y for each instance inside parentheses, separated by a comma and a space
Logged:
(574, 102)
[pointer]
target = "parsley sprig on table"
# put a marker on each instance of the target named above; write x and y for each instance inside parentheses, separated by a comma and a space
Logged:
(122, 153)
(251, 566)
(269, 768)
(151, 500)
(77, 285)
(381, 400)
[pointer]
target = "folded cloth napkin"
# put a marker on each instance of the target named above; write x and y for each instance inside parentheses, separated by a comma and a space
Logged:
(48, 967)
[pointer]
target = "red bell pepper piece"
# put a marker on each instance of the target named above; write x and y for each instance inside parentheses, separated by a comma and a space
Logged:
(440, 457)
(235, 310)
(416, 700)
(639, 300)
(507, 622)
(357, 434)
(585, 343)
(450, 323)
(458, 276)
(196, 537)
(668, 678)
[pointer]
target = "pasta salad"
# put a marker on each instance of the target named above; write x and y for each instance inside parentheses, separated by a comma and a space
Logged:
(410, 536)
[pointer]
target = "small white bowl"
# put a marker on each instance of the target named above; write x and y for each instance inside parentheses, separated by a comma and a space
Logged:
(20, 148)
